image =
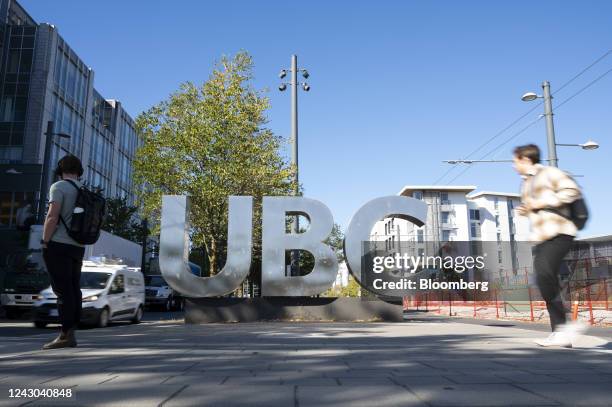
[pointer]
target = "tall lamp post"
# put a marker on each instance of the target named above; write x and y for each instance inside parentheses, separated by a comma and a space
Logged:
(44, 179)
(550, 131)
(550, 127)
(294, 140)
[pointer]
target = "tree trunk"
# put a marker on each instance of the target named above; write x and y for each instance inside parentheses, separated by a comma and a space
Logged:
(212, 257)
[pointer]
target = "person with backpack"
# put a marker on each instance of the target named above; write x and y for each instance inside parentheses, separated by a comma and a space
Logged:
(73, 220)
(553, 202)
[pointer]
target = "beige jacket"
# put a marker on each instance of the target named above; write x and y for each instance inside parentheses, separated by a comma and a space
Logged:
(549, 187)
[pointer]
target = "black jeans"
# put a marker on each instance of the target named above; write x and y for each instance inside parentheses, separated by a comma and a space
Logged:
(64, 263)
(547, 260)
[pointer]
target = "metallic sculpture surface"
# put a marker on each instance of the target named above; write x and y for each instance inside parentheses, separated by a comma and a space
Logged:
(174, 248)
(174, 243)
(362, 222)
(276, 242)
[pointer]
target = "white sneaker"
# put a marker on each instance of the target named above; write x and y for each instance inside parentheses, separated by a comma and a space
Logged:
(572, 330)
(555, 339)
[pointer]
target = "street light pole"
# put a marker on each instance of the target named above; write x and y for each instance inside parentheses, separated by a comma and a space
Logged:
(295, 226)
(295, 255)
(294, 127)
(44, 179)
(550, 127)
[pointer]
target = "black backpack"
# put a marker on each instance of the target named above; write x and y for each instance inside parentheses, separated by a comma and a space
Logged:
(576, 211)
(86, 224)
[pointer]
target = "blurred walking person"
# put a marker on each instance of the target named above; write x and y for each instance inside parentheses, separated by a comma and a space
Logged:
(546, 196)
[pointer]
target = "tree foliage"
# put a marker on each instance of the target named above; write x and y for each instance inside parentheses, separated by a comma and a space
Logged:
(210, 142)
(335, 240)
(121, 220)
(352, 289)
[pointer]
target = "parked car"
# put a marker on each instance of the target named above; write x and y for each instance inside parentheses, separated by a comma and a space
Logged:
(22, 280)
(110, 293)
(159, 294)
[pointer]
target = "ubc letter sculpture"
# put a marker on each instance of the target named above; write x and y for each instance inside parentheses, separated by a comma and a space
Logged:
(174, 243)
(275, 241)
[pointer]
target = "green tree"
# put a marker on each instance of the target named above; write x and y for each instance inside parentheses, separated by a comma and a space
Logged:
(209, 142)
(121, 219)
(335, 240)
(352, 289)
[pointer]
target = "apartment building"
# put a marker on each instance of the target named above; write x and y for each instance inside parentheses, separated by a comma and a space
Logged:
(481, 221)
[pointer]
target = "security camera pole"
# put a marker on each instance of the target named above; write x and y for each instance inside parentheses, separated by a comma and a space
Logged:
(295, 255)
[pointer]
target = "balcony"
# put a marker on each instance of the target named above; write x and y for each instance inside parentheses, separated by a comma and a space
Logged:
(447, 206)
(449, 224)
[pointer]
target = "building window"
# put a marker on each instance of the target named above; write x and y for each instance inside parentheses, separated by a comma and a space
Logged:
(444, 198)
(446, 235)
(417, 195)
(11, 155)
(419, 236)
(445, 217)
(475, 230)
(499, 257)
(498, 237)
(16, 208)
(474, 214)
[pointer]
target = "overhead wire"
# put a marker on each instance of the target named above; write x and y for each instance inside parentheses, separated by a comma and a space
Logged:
(517, 120)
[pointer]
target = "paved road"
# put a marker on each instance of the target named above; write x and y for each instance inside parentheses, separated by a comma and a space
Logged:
(424, 363)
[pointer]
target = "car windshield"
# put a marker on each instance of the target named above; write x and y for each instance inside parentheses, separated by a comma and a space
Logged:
(26, 281)
(94, 280)
(155, 281)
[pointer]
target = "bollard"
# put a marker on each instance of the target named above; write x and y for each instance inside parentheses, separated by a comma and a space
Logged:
(588, 293)
(474, 301)
(605, 289)
(530, 303)
(496, 307)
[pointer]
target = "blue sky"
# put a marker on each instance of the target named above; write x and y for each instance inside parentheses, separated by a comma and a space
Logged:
(396, 86)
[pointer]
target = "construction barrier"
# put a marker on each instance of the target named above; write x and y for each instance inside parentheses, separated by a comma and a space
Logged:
(516, 297)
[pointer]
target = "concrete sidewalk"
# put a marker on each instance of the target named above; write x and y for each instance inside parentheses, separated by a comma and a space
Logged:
(425, 363)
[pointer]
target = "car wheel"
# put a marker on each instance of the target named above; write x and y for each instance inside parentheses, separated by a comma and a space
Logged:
(138, 316)
(103, 318)
(40, 324)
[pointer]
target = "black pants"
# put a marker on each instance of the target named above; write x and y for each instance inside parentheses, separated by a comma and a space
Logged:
(547, 260)
(64, 263)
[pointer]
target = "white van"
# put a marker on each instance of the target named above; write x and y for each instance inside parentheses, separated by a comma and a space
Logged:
(110, 293)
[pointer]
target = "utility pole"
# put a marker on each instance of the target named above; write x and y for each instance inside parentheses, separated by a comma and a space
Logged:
(550, 127)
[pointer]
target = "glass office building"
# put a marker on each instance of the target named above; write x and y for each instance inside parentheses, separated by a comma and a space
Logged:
(42, 80)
